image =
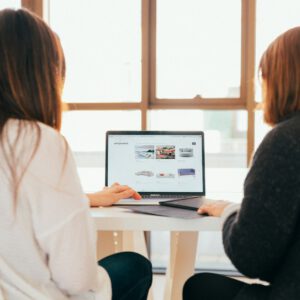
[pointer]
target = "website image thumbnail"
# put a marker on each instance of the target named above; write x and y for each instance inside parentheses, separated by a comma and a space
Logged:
(186, 152)
(186, 172)
(144, 173)
(165, 175)
(165, 152)
(144, 151)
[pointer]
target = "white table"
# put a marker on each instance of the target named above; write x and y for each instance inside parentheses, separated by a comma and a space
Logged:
(121, 230)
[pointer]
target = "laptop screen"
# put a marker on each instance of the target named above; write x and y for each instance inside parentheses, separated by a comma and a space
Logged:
(162, 162)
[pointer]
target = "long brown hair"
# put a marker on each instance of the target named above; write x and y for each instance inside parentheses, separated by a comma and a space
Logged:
(280, 70)
(32, 70)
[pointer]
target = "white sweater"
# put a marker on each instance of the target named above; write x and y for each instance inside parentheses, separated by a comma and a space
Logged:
(47, 242)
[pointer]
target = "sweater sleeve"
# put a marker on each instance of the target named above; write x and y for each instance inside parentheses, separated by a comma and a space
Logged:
(257, 237)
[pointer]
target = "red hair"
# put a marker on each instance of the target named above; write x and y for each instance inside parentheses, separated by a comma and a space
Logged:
(280, 70)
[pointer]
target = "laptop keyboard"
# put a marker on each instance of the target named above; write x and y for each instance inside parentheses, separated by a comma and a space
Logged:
(164, 196)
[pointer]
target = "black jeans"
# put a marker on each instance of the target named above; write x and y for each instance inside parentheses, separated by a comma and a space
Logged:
(130, 274)
(207, 286)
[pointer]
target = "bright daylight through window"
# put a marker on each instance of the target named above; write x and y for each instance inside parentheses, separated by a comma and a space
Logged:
(167, 65)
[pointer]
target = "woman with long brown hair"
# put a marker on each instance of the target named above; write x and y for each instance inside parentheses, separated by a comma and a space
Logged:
(262, 237)
(47, 247)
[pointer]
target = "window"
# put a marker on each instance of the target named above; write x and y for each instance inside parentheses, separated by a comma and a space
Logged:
(198, 49)
(102, 44)
(85, 132)
(167, 64)
(10, 4)
(286, 15)
(144, 55)
(225, 132)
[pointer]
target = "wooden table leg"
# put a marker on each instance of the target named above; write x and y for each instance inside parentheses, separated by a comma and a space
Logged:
(135, 241)
(181, 263)
(110, 242)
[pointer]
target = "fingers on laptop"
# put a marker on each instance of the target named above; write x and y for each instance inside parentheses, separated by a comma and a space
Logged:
(113, 185)
(214, 208)
(136, 196)
(124, 191)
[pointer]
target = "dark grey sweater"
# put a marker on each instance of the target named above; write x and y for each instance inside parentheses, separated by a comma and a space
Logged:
(263, 238)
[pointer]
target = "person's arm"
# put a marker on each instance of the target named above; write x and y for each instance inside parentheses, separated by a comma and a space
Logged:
(257, 233)
(112, 194)
(257, 237)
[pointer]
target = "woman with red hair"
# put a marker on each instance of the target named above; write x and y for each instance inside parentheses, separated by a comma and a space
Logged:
(262, 237)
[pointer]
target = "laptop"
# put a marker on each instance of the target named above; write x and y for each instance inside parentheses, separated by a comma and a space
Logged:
(160, 165)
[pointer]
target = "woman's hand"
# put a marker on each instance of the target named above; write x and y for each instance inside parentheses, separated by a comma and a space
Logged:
(213, 208)
(112, 194)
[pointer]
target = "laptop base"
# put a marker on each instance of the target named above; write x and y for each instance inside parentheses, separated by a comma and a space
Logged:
(148, 201)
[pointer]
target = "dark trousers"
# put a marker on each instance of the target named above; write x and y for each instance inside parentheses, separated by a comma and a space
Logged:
(207, 286)
(130, 274)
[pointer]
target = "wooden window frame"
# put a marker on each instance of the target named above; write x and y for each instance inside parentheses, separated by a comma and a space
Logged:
(149, 100)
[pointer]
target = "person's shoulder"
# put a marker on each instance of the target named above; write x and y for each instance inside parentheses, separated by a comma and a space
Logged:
(282, 140)
(273, 137)
(26, 131)
(51, 138)
(286, 132)
(40, 146)
(47, 129)
(27, 137)
(49, 133)
(51, 144)
(291, 125)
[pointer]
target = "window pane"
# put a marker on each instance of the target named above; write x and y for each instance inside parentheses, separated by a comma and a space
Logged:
(102, 44)
(10, 4)
(225, 132)
(198, 48)
(286, 14)
(85, 132)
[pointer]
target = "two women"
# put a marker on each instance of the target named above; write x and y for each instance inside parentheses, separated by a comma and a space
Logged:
(47, 246)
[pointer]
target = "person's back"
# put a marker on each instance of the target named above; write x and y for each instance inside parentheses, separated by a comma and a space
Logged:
(284, 273)
(49, 202)
(17, 232)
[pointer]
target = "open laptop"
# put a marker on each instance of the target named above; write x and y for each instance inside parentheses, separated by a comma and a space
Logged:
(160, 165)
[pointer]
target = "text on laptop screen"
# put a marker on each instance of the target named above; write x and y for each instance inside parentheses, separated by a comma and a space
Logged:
(156, 163)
